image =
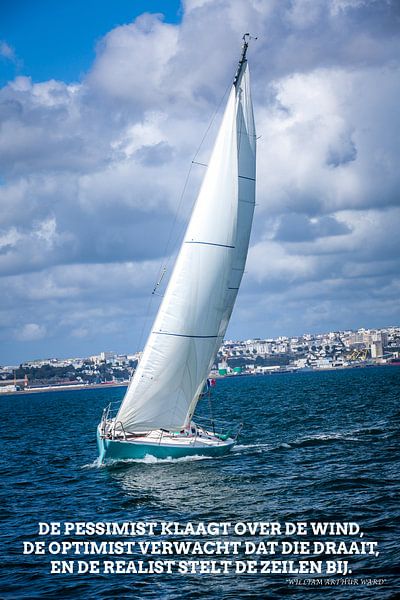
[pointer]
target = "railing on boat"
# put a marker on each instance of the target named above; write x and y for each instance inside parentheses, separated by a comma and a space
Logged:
(218, 426)
(109, 426)
(108, 422)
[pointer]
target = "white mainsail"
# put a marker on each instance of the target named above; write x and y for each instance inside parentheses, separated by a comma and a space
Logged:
(195, 311)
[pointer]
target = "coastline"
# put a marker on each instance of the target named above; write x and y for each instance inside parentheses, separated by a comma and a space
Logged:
(64, 388)
(93, 386)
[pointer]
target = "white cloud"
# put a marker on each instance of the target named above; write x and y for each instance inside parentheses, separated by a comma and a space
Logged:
(80, 332)
(30, 332)
(92, 173)
(268, 261)
(6, 51)
(9, 239)
(343, 5)
(304, 13)
(329, 141)
(131, 62)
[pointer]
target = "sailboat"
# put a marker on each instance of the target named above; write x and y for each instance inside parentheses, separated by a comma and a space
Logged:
(155, 417)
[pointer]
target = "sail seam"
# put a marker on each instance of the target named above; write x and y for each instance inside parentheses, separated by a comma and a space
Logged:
(210, 244)
(249, 135)
(185, 335)
(243, 177)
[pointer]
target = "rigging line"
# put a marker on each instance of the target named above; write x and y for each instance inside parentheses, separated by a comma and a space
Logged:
(194, 162)
(210, 408)
(211, 121)
(159, 281)
(144, 325)
(163, 268)
(241, 128)
(167, 246)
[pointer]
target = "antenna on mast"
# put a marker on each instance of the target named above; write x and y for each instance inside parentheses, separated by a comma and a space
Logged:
(243, 56)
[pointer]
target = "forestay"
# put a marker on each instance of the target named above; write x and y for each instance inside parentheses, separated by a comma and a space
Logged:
(199, 299)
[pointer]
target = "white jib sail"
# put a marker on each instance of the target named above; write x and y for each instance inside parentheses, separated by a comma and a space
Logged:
(195, 311)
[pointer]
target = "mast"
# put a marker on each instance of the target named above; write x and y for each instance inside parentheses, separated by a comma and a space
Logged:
(242, 59)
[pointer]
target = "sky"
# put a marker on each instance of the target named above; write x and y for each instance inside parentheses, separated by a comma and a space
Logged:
(102, 109)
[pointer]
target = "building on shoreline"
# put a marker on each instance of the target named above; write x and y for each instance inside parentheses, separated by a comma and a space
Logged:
(331, 350)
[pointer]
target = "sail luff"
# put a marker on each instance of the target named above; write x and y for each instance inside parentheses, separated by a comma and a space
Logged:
(195, 311)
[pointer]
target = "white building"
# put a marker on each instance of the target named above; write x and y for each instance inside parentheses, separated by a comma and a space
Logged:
(376, 349)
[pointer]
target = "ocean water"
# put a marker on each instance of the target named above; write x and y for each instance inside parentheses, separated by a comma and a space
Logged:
(315, 447)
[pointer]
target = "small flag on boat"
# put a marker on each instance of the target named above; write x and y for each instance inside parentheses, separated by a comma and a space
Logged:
(211, 383)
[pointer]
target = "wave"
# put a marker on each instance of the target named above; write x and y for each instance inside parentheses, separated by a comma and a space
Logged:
(311, 440)
(352, 435)
(240, 447)
(320, 438)
(147, 460)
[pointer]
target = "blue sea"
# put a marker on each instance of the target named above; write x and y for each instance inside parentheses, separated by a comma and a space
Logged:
(317, 446)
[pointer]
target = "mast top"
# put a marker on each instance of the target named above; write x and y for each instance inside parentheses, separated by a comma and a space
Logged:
(243, 58)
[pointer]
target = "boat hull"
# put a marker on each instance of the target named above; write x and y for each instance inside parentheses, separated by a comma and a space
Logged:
(129, 450)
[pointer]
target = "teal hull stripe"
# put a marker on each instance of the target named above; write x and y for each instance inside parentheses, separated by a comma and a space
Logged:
(110, 449)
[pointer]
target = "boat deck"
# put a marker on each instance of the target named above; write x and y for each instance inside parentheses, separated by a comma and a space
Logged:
(200, 436)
